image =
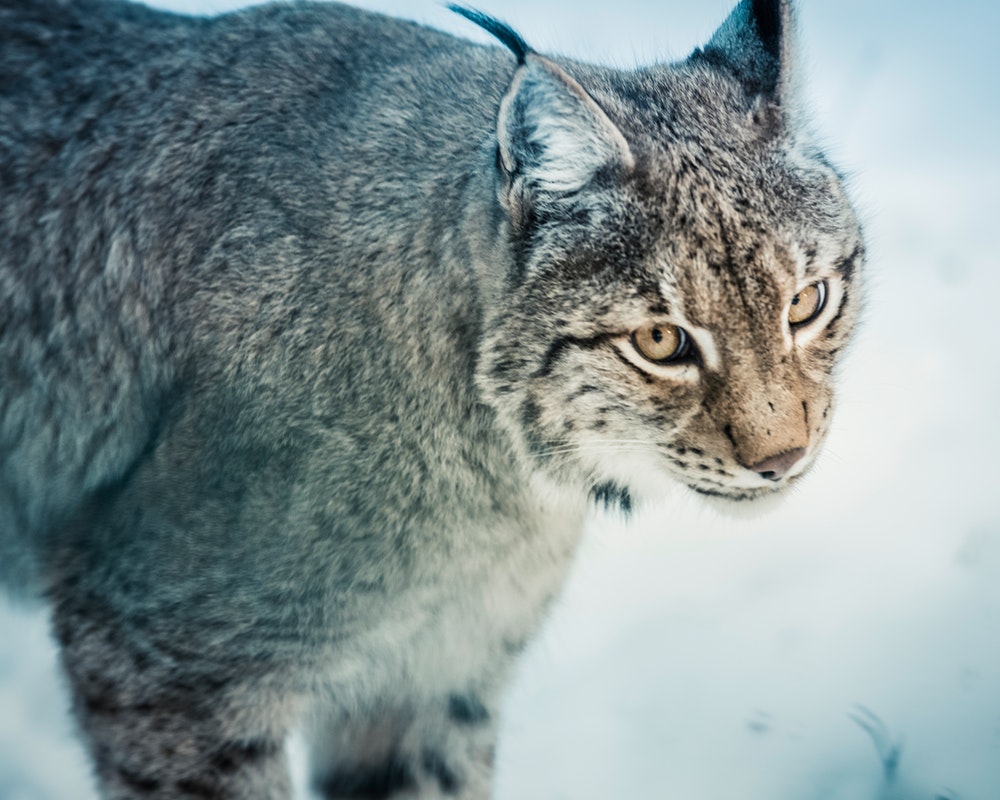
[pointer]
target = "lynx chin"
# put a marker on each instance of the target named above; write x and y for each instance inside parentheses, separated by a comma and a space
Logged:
(321, 330)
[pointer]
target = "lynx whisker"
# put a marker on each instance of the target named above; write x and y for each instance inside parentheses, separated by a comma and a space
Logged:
(595, 447)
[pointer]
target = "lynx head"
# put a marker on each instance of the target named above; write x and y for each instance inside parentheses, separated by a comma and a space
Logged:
(683, 268)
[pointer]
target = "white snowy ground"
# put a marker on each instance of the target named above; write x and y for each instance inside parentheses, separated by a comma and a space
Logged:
(700, 658)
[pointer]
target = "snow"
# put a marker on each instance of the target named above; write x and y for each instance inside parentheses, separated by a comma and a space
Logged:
(702, 657)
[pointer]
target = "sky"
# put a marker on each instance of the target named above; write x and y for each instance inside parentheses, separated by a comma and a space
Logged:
(702, 657)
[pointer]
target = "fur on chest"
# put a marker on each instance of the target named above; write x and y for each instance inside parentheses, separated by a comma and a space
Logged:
(469, 621)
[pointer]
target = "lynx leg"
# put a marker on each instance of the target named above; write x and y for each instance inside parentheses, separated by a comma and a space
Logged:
(163, 727)
(443, 749)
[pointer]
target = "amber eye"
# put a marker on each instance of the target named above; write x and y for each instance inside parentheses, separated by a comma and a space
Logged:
(661, 343)
(807, 304)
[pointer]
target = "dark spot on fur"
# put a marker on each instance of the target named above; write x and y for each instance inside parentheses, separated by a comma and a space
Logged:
(141, 661)
(466, 709)
(599, 425)
(435, 766)
(728, 431)
(137, 782)
(611, 495)
(236, 755)
(560, 347)
(847, 265)
(369, 783)
(197, 788)
(529, 413)
(514, 647)
(100, 703)
(507, 365)
(540, 445)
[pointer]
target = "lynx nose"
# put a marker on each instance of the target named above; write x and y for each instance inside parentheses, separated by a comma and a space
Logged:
(776, 467)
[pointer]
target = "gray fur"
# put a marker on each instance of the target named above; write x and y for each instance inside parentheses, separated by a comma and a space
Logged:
(314, 342)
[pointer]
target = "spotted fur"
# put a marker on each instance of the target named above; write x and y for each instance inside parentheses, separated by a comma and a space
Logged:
(318, 336)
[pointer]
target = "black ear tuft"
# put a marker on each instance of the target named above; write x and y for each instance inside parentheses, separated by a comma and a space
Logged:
(501, 30)
(753, 44)
(767, 15)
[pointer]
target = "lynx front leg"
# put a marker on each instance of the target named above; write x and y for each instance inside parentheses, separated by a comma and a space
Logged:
(163, 727)
(443, 749)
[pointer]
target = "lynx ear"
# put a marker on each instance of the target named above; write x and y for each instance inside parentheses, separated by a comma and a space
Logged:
(553, 137)
(755, 43)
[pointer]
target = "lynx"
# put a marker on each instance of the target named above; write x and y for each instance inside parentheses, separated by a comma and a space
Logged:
(320, 331)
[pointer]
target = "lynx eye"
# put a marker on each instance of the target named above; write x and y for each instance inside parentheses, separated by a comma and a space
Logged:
(661, 343)
(807, 304)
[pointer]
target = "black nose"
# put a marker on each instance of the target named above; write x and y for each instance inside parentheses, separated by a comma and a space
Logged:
(776, 467)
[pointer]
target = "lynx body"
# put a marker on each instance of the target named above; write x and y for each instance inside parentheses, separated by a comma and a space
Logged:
(318, 329)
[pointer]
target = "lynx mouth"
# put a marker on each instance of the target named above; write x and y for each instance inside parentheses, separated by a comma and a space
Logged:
(763, 489)
(740, 494)
(736, 496)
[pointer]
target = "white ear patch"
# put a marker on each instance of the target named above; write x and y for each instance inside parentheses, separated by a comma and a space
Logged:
(553, 133)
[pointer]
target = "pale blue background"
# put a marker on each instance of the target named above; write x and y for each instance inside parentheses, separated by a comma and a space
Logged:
(700, 658)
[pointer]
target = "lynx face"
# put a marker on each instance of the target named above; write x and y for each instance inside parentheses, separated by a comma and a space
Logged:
(680, 306)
